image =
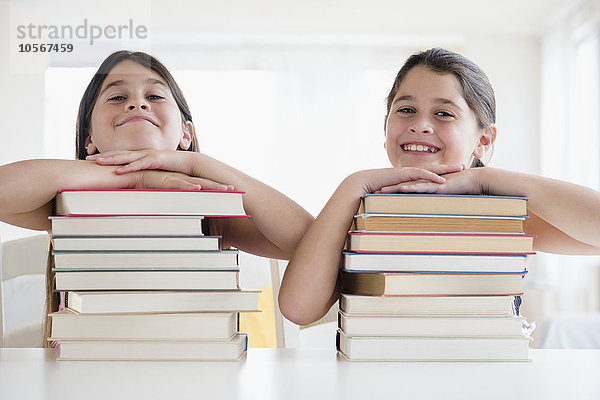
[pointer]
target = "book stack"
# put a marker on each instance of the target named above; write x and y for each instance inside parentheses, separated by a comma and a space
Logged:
(435, 277)
(140, 279)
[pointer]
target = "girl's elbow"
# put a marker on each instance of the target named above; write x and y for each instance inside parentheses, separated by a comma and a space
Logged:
(295, 312)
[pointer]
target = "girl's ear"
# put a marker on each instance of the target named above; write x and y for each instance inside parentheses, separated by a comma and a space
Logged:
(90, 147)
(188, 134)
(385, 132)
(487, 138)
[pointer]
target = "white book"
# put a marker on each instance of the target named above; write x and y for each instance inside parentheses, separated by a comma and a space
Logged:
(386, 262)
(127, 225)
(430, 326)
(428, 305)
(374, 348)
(147, 280)
(149, 350)
(149, 202)
(162, 301)
(135, 243)
(226, 259)
(189, 326)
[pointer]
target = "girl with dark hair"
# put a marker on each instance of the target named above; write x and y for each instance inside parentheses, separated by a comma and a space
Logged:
(136, 130)
(440, 119)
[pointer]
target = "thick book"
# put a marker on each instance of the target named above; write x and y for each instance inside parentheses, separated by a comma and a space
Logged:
(127, 225)
(67, 324)
(430, 284)
(430, 305)
(411, 203)
(429, 326)
(162, 301)
(150, 350)
(399, 262)
(439, 243)
(149, 202)
(147, 280)
(134, 260)
(377, 348)
(437, 223)
(135, 243)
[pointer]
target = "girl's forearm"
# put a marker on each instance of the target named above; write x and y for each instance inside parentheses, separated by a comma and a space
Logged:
(310, 285)
(571, 208)
(27, 187)
(278, 218)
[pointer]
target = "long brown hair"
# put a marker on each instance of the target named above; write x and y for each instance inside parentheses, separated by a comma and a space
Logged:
(477, 89)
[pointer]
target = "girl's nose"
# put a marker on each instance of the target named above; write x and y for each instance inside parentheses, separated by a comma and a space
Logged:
(421, 125)
(135, 102)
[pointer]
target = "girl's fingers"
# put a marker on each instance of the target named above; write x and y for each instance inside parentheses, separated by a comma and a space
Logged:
(117, 157)
(180, 184)
(207, 184)
(136, 165)
(414, 174)
(445, 169)
(412, 187)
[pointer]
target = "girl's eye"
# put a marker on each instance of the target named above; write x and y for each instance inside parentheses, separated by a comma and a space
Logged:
(117, 97)
(443, 114)
(406, 110)
(155, 97)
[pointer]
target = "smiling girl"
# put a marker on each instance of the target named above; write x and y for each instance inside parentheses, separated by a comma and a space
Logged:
(440, 119)
(133, 113)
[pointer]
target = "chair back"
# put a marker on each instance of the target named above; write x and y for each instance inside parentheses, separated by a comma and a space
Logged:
(22, 290)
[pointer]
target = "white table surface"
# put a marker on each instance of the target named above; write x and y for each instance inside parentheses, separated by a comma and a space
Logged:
(300, 374)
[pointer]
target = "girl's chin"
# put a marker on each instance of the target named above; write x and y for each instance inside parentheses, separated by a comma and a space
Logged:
(416, 161)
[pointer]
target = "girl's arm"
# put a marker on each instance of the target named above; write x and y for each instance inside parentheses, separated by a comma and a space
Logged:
(564, 216)
(28, 187)
(310, 285)
(276, 224)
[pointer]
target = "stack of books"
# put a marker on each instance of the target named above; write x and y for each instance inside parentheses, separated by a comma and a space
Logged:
(140, 279)
(435, 277)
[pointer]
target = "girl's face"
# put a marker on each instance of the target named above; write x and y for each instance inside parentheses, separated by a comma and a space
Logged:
(430, 123)
(135, 110)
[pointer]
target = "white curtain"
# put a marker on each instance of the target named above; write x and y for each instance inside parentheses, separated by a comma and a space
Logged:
(570, 136)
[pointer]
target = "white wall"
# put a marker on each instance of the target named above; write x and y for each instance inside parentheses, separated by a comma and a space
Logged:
(262, 37)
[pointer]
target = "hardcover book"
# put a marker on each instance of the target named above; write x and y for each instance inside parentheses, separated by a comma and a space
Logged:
(67, 324)
(162, 301)
(150, 350)
(149, 202)
(437, 223)
(135, 243)
(147, 280)
(135, 260)
(367, 348)
(127, 225)
(411, 203)
(439, 243)
(408, 262)
(430, 326)
(431, 284)
(430, 305)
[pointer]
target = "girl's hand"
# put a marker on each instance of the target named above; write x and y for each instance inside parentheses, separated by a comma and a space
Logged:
(140, 160)
(461, 182)
(156, 179)
(393, 180)
(136, 160)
